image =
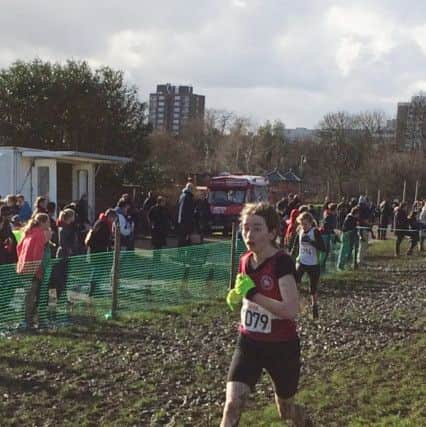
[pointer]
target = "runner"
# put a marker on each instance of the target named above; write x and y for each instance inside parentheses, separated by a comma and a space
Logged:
(309, 244)
(267, 338)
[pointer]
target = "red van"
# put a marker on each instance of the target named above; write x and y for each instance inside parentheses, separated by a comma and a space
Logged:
(229, 193)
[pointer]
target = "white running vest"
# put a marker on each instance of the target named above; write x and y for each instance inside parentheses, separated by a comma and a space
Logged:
(307, 253)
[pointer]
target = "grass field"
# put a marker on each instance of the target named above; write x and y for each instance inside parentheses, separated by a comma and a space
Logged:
(363, 362)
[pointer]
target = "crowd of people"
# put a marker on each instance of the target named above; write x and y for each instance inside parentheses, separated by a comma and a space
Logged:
(269, 276)
(309, 233)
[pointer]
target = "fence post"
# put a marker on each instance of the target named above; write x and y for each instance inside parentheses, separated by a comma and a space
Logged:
(115, 272)
(356, 248)
(233, 251)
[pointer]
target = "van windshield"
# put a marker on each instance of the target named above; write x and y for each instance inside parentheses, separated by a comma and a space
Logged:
(227, 197)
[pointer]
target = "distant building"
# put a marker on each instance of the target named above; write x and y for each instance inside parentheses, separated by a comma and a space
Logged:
(282, 183)
(411, 124)
(171, 107)
(298, 134)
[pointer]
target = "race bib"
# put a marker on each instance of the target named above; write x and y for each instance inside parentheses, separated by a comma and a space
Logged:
(255, 318)
(307, 250)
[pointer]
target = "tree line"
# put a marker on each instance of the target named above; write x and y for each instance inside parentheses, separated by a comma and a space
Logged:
(71, 106)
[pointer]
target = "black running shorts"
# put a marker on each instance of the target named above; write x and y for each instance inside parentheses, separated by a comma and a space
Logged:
(313, 272)
(280, 359)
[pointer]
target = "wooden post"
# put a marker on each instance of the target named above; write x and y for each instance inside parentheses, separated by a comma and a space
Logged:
(233, 250)
(378, 197)
(404, 191)
(115, 273)
(328, 190)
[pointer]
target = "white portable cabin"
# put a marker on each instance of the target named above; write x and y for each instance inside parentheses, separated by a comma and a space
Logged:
(62, 176)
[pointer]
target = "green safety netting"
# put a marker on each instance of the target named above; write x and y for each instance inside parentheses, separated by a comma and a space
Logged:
(147, 280)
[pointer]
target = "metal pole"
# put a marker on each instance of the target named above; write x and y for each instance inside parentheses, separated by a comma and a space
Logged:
(233, 251)
(404, 191)
(378, 197)
(115, 273)
(416, 193)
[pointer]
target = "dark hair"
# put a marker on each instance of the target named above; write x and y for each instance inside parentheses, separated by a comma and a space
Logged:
(51, 207)
(122, 203)
(266, 211)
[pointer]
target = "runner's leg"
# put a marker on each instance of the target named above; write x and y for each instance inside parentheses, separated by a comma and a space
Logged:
(236, 397)
(289, 410)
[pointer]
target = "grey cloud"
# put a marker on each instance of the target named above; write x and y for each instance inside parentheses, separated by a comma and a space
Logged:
(269, 59)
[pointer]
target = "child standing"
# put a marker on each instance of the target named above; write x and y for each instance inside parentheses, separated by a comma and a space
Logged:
(33, 254)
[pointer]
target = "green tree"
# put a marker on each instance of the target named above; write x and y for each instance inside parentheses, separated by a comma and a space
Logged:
(70, 106)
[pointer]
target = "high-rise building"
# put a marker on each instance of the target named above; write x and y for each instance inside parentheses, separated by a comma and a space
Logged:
(411, 124)
(170, 107)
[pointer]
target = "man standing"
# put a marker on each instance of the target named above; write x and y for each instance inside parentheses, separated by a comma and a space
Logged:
(185, 219)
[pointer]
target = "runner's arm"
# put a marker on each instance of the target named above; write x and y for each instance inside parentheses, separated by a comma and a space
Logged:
(288, 308)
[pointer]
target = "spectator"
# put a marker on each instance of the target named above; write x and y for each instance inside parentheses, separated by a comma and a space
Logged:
(17, 230)
(342, 211)
(51, 211)
(149, 202)
(385, 216)
(414, 227)
(33, 256)
(349, 237)
(11, 203)
(402, 226)
(67, 235)
(99, 239)
(7, 238)
(328, 233)
(159, 224)
(202, 215)
(126, 225)
(291, 230)
(40, 205)
(82, 214)
(24, 211)
(185, 218)
(67, 246)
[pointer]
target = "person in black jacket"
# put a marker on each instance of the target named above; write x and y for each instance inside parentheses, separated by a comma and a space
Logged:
(67, 246)
(7, 238)
(159, 221)
(402, 229)
(327, 231)
(349, 237)
(185, 218)
(99, 240)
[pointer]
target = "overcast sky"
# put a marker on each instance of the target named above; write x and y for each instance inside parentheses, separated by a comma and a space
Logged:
(264, 59)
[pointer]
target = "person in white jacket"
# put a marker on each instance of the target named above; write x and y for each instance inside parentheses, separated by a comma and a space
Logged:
(127, 226)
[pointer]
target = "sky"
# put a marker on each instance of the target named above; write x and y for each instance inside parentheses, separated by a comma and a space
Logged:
(262, 59)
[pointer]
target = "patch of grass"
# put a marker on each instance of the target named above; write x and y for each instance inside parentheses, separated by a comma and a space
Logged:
(382, 389)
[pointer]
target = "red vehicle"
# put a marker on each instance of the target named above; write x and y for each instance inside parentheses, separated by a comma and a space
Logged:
(229, 193)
